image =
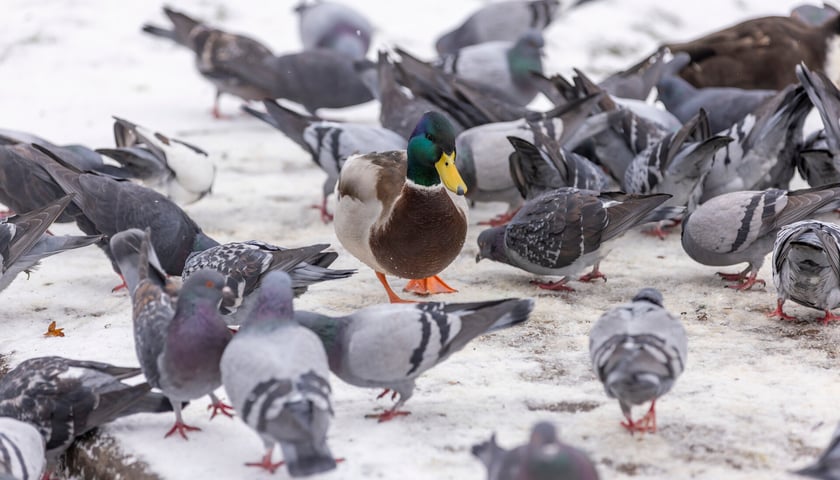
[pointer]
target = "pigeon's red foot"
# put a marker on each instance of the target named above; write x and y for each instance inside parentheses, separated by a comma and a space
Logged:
(428, 286)
(388, 415)
(829, 317)
(120, 286)
(747, 283)
(646, 424)
(780, 313)
(594, 274)
(501, 219)
(182, 429)
(326, 216)
(386, 392)
(732, 277)
(266, 463)
(558, 286)
(220, 407)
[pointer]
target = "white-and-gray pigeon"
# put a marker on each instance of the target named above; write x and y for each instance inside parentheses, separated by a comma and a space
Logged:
(638, 350)
(177, 169)
(179, 336)
(276, 374)
(65, 398)
(388, 346)
(741, 227)
(819, 157)
(22, 454)
(806, 267)
(544, 457)
(335, 26)
(23, 242)
(565, 230)
(827, 466)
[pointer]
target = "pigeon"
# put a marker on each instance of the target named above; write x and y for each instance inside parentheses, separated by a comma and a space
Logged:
(23, 243)
(724, 105)
(483, 151)
(637, 81)
(764, 147)
(77, 155)
(177, 169)
(505, 66)
(390, 345)
(329, 143)
(178, 337)
(815, 161)
(806, 267)
(742, 226)
(565, 230)
(276, 374)
(500, 21)
(544, 457)
(21, 450)
(65, 398)
(638, 350)
(760, 53)
(828, 465)
(244, 67)
(111, 206)
(334, 26)
(400, 111)
(246, 264)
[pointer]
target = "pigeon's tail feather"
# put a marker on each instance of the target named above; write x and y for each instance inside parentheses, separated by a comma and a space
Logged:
(531, 173)
(290, 122)
(50, 245)
(151, 402)
(494, 315)
(307, 458)
(305, 275)
(161, 32)
(661, 213)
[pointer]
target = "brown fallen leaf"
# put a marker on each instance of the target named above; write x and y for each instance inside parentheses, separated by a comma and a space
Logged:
(54, 332)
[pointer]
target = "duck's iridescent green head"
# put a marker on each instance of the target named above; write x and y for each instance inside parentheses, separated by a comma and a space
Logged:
(431, 154)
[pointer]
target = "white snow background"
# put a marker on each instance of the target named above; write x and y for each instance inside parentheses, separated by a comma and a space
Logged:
(759, 397)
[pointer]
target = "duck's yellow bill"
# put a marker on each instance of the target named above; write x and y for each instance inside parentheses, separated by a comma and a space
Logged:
(449, 174)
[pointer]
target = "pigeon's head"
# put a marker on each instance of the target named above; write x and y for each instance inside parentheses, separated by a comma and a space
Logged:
(431, 154)
(206, 285)
(543, 434)
(651, 295)
(491, 244)
(274, 298)
(531, 39)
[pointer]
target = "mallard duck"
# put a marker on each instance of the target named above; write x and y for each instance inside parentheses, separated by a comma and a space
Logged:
(403, 212)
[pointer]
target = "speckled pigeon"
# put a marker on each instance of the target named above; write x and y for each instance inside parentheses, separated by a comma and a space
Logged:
(329, 143)
(827, 466)
(499, 21)
(276, 374)
(638, 351)
(742, 226)
(179, 170)
(23, 243)
(246, 264)
(806, 267)
(21, 451)
(244, 67)
(388, 346)
(565, 230)
(544, 457)
(335, 26)
(66, 398)
(178, 340)
(110, 206)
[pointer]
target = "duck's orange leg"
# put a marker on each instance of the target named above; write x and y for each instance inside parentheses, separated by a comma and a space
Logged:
(392, 297)
(428, 285)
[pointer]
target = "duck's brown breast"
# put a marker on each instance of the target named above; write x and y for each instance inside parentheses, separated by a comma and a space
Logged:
(424, 235)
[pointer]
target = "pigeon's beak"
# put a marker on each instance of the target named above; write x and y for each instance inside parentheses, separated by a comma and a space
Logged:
(227, 295)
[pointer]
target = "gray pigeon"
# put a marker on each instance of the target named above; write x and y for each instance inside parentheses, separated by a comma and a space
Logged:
(244, 67)
(765, 145)
(110, 206)
(23, 243)
(816, 160)
(66, 398)
(177, 169)
(724, 105)
(21, 450)
(329, 143)
(505, 66)
(276, 374)
(544, 457)
(335, 26)
(483, 152)
(638, 350)
(806, 267)
(79, 156)
(246, 264)
(388, 346)
(828, 465)
(179, 336)
(742, 226)
(565, 230)
(499, 21)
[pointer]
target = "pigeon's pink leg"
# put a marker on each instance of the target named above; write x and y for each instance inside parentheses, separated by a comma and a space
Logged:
(735, 277)
(266, 463)
(779, 312)
(558, 286)
(595, 273)
(829, 317)
(181, 428)
(326, 216)
(120, 286)
(646, 424)
(748, 283)
(219, 406)
(388, 415)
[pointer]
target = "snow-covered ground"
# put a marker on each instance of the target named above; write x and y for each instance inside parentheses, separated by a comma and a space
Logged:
(758, 396)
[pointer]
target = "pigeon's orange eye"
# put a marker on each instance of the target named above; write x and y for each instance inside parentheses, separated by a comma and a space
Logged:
(209, 284)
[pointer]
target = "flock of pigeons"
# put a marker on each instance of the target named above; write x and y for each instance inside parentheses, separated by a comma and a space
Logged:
(717, 160)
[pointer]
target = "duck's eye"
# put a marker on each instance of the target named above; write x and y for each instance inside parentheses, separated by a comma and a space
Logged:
(430, 137)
